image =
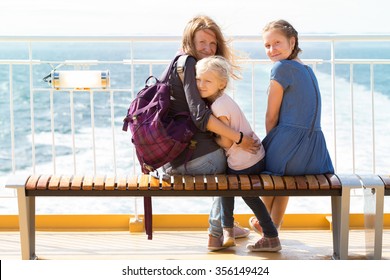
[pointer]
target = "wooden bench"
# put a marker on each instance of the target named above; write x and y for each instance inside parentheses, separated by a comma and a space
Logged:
(336, 186)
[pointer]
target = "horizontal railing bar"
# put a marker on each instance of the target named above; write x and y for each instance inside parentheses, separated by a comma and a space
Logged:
(158, 38)
(165, 61)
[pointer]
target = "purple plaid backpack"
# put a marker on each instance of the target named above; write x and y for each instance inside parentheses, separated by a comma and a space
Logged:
(158, 137)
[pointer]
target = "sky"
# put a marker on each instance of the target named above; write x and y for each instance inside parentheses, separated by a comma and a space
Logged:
(168, 17)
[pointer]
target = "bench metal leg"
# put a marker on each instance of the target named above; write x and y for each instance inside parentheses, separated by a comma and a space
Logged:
(373, 191)
(340, 216)
(26, 207)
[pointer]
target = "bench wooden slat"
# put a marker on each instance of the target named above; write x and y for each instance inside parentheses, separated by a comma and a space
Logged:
(289, 182)
(64, 183)
(301, 182)
(98, 183)
(312, 182)
(43, 182)
(109, 183)
(178, 183)
(144, 182)
(267, 181)
(233, 182)
(87, 183)
(77, 182)
(333, 181)
(166, 184)
(32, 182)
(188, 183)
(199, 183)
(121, 183)
(245, 182)
(54, 182)
(154, 183)
(222, 182)
(278, 183)
(386, 180)
(132, 183)
(211, 184)
(256, 183)
(323, 182)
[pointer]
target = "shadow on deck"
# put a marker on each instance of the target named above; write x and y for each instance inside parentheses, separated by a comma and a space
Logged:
(181, 245)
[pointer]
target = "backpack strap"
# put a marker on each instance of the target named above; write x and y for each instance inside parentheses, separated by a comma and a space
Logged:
(181, 63)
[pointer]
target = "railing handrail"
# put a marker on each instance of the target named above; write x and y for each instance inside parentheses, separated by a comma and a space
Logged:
(170, 38)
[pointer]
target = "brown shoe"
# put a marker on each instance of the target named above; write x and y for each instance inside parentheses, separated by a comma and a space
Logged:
(215, 243)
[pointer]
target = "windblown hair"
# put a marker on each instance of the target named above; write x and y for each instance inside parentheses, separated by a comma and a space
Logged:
(203, 22)
(216, 64)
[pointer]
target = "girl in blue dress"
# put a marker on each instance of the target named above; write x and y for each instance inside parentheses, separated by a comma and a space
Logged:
(295, 143)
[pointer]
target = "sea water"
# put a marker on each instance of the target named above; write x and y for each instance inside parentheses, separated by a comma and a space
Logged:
(336, 124)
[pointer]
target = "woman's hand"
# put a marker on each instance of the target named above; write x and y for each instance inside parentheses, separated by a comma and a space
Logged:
(250, 145)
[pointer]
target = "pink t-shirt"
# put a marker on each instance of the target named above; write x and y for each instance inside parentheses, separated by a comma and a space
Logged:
(237, 158)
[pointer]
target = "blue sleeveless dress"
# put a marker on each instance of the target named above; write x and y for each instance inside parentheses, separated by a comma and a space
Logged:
(296, 146)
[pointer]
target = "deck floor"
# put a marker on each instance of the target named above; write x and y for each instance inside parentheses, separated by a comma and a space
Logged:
(181, 245)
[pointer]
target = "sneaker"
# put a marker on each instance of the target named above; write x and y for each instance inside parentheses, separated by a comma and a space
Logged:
(265, 244)
(215, 243)
(239, 231)
(228, 237)
(255, 225)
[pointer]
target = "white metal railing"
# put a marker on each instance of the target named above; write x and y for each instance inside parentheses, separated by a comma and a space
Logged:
(32, 65)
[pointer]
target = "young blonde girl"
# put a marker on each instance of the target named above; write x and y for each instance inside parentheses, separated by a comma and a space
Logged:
(212, 76)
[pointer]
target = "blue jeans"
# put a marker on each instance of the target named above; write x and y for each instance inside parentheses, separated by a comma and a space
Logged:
(223, 208)
(212, 163)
